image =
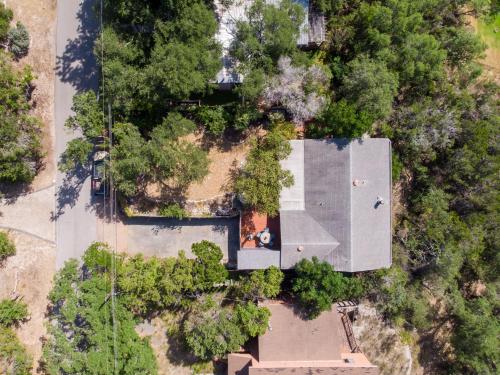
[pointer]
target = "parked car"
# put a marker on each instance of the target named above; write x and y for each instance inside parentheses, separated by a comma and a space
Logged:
(100, 185)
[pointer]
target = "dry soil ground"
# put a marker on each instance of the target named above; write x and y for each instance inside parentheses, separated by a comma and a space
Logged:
(382, 345)
(39, 16)
(29, 275)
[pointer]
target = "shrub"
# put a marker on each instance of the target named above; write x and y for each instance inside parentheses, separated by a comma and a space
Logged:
(317, 286)
(214, 118)
(13, 356)
(19, 40)
(6, 15)
(173, 210)
(7, 247)
(12, 312)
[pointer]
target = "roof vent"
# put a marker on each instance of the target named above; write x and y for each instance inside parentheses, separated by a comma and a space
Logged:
(300, 248)
(357, 182)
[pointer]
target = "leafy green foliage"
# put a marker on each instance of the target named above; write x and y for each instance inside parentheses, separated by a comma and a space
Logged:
(208, 268)
(342, 120)
(443, 124)
(259, 284)
(370, 86)
(152, 285)
(252, 319)
(81, 305)
(20, 147)
(12, 312)
(19, 40)
(317, 286)
(212, 332)
(6, 15)
(13, 356)
(213, 118)
(173, 210)
(270, 32)
(262, 177)
(7, 247)
(185, 56)
(163, 159)
(89, 119)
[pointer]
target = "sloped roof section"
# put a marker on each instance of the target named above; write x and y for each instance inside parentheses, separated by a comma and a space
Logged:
(371, 235)
(343, 220)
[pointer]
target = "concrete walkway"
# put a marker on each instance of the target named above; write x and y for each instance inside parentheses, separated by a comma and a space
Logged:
(30, 213)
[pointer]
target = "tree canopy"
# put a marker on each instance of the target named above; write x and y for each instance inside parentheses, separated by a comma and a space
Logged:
(317, 286)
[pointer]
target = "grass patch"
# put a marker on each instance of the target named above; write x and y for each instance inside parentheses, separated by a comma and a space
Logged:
(489, 30)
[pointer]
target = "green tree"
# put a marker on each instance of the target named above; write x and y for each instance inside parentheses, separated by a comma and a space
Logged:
(212, 332)
(260, 284)
(343, 120)
(317, 286)
(262, 178)
(130, 165)
(12, 312)
(254, 320)
(370, 86)
(178, 161)
(124, 82)
(81, 304)
(20, 146)
(268, 33)
(88, 119)
(213, 118)
(421, 62)
(7, 247)
(208, 269)
(186, 56)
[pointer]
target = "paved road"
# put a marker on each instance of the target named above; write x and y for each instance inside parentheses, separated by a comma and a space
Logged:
(76, 222)
(165, 237)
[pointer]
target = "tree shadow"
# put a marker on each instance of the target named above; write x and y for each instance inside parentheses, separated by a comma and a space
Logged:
(68, 192)
(77, 64)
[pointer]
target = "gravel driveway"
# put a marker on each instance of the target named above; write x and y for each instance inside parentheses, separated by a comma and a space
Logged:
(165, 237)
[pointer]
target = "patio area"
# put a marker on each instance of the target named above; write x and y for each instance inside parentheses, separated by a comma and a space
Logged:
(255, 227)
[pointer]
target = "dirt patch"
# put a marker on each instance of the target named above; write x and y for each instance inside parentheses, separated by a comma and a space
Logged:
(225, 157)
(39, 16)
(29, 274)
(382, 344)
(169, 356)
(492, 54)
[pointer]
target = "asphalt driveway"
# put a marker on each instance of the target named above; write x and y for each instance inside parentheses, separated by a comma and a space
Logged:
(165, 237)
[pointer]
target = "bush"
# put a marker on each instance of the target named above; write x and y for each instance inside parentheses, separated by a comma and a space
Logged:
(173, 210)
(12, 312)
(19, 40)
(13, 356)
(7, 247)
(317, 286)
(214, 118)
(5, 18)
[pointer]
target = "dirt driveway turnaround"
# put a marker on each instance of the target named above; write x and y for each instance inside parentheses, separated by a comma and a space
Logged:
(165, 237)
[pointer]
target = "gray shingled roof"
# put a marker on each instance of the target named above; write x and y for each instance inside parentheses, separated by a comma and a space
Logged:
(340, 222)
(257, 259)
